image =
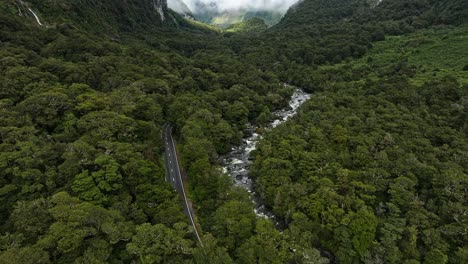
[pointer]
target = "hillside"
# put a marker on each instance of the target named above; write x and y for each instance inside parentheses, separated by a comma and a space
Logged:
(107, 15)
(455, 11)
(366, 165)
(213, 13)
(248, 26)
(371, 169)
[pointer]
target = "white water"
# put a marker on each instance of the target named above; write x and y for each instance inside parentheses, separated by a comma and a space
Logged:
(35, 16)
(237, 162)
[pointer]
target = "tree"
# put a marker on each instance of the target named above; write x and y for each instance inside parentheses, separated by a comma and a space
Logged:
(82, 228)
(435, 256)
(25, 255)
(32, 218)
(160, 244)
(339, 134)
(95, 186)
(46, 108)
(266, 246)
(211, 253)
(233, 223)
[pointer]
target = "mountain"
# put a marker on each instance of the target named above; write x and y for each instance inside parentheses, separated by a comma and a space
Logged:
(454, 11)
(211, 13)
(226, 18)
(270, 17)
(96, 15)
(180, 7)
(307, 12)
(408, 11)
(371, 169)
(254, 24)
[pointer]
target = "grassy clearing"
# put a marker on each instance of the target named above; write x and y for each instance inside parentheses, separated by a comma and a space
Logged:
(425, 55)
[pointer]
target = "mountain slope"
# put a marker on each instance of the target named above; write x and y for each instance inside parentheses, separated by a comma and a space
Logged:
(307, 12)
(454, 11)
(373, 169)
(313, 11)
(211, 13)
(180, 7)
(248, 26)
(97, 15)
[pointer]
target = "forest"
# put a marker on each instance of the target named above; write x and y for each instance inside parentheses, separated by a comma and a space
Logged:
(373, 169)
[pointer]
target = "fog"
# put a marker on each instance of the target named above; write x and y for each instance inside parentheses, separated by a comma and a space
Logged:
(233, 5)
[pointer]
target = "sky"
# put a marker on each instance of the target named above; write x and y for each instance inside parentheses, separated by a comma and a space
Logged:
(233, 5)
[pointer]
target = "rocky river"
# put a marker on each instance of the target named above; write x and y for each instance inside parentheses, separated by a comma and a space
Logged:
(237, 162)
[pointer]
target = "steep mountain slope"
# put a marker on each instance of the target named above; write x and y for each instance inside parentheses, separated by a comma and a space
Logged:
(80, 119)
(225, 19)
(180, 7)
(328, 11)
(314, 32)
(370, 168)
(312, 11)
(248, 26)
(271, 18)
(454, 11)
(212, 13)
(373, 169)
(102, 15)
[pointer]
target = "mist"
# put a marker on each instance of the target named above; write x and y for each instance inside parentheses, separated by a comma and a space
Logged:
(280, 6)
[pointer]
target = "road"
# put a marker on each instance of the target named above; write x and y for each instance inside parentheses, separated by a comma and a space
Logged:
(174, 176)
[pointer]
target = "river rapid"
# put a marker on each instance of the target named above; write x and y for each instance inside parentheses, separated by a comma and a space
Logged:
(237, 162)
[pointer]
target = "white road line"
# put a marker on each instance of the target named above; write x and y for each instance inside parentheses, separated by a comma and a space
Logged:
(185, 198)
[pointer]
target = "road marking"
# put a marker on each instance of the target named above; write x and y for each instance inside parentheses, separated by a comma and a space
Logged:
(185, 196)
(167, 135)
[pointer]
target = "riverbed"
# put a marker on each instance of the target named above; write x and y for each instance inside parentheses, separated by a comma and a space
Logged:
(237, 162)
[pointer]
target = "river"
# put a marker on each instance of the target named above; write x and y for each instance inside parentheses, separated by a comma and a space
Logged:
(237, 162)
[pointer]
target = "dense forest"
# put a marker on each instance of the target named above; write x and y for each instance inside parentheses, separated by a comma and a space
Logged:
(373, 169)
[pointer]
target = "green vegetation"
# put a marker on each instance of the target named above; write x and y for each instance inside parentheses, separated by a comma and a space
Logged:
(225, 19)
(103, 15)
(373, 169)
(270, 18)
(251, 25)
(426, 55)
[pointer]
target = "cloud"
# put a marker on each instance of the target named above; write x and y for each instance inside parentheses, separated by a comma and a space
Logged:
(234, 5)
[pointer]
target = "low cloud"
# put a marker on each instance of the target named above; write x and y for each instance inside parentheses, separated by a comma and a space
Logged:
(234, 5)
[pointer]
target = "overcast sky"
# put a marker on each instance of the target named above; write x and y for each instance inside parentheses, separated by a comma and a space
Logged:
(229, 5)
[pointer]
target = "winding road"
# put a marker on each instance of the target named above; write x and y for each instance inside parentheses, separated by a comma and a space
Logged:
(174, 176)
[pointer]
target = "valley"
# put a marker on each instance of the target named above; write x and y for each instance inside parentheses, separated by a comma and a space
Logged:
(225, 14)
(148, 131)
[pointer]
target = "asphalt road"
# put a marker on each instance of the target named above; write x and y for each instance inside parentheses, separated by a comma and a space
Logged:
(174, 176)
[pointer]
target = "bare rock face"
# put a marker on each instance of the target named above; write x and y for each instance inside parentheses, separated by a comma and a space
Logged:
(161, 7)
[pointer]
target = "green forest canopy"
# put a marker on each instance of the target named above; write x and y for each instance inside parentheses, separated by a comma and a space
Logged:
(373, 169)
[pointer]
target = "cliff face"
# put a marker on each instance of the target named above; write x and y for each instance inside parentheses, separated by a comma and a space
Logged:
(97, 15)
(180, 7)
(161, 7)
